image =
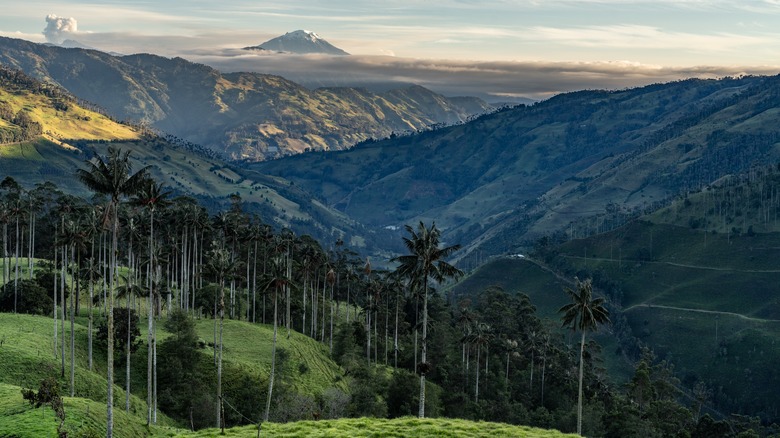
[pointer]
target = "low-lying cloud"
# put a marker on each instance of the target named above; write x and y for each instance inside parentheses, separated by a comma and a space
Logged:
(492, 80)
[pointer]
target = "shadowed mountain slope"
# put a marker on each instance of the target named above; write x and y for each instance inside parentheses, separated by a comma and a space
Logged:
(243, 115)
(507, 178)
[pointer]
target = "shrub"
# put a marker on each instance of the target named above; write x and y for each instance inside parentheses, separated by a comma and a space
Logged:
(29, 296)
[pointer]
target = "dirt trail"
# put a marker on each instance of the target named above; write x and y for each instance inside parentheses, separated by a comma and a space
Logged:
(715, 312)
(681, 265)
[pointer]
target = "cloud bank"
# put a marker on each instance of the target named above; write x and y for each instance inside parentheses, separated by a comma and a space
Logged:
(495, 81)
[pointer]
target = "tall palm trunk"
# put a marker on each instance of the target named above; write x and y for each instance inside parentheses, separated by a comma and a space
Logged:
(544, 365)
(150, 319)
(395, 335)
(476, 386)
(303, 313)
(579, 391)
(254, 289)
(273, 363)
(330, 343)
(31, 248)
(56, 288)
(91, 297)
(73, 328)
(424, 352)
(287, 290)
(110, 324)
(16, 266)
(63, 276)
(219, 362)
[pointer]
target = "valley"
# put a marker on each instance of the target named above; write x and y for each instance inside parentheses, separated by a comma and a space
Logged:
(292, 210)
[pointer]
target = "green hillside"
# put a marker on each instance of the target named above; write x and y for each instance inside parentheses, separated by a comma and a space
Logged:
(27, 357)
(498, 183)
(707, 302)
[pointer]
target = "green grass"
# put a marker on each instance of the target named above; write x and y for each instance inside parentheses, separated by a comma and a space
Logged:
(248, 346)
(83, 417)
(76, 123)
(373, 427)
(518, 275)
(27, 357)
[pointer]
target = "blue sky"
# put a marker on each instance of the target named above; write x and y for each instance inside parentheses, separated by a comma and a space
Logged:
(522, 47)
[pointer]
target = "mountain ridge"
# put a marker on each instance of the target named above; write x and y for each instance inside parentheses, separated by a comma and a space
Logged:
(501, 181)
(248, 116)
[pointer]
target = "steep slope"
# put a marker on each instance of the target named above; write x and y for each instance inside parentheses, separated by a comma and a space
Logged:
(507, 178)
(696, 281)
(243, 115)
(45, 135)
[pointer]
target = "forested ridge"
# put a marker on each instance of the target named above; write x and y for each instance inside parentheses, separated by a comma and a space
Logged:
(176, 267)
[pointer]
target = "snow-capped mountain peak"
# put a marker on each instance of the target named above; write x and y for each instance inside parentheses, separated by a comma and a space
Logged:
(300, 42)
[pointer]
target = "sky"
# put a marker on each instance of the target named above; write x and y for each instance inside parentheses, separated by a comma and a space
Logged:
(495, 48)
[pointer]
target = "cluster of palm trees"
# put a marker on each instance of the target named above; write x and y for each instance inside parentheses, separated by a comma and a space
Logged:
(133, 239)
(239, 253)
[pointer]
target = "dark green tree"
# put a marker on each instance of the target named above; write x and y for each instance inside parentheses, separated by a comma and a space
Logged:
(113, 177)
(424, 262)
(584, 313)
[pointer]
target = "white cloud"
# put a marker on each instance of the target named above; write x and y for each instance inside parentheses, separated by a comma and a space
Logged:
(58, 29)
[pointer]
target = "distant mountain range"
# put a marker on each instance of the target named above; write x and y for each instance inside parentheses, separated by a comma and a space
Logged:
(299, 42)
(242, 115)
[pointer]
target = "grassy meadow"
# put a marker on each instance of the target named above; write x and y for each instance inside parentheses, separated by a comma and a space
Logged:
(374, 427)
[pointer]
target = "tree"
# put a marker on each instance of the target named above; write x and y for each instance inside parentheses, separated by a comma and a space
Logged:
(151, 196)
(112, 176)
(220, 266)
(276, 281)
(425, 262)
(583, 313)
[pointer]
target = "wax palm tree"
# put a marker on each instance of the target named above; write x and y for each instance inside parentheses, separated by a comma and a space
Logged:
(425, 261)
(113, 177)
(480, 338)
(221, 267)
(276, 281)
(583, 313)
(151, 197)
(74, 237)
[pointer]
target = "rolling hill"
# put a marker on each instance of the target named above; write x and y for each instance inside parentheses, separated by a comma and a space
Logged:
(707, 302)
(241, 115)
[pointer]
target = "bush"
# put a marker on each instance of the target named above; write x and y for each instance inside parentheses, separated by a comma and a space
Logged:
(120, 331)
(185, 390)
(29, 296)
